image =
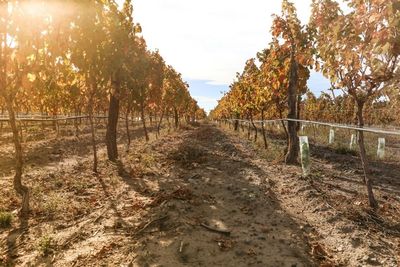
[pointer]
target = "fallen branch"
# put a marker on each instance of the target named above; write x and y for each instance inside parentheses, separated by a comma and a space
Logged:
(212, 229)
(181, 247)
(151, 222)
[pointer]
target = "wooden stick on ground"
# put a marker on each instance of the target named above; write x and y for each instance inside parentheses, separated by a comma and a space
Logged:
(151, 222)
(212, 229)
(181, 247)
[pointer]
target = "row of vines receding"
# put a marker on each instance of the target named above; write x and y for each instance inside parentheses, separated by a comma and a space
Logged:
(357, 48)
(83, 58)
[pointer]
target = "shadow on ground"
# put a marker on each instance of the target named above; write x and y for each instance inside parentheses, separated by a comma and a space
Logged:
(213, 183)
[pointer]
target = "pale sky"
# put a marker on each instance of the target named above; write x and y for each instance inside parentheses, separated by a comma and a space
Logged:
(209, 41)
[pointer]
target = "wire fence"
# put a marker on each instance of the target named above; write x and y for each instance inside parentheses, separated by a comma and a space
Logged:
(329, 124)
(381, 150)
(47, 118)
(383, 144)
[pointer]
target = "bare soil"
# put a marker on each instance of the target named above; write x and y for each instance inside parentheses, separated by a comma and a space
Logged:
(333, 201)
(200, 196)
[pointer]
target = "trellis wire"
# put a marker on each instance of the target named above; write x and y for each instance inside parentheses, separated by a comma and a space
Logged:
(45, 118)
(303, 139)
(333, 125)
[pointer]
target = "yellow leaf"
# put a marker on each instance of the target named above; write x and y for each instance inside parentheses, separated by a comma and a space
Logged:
(317, 66)
(31, 77)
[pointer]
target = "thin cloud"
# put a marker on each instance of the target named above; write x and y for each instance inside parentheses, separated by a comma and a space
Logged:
(209, 40)
(205, 99)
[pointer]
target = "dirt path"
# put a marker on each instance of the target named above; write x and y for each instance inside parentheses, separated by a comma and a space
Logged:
(220, 187)
(201, 196)
(161, 207)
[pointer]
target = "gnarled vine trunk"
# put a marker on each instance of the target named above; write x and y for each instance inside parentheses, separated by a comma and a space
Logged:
(113, 114)
(128, 134)
(176, 116)
(76, 124)
(371, 198)
(254, 127)
(237, 122)
(159, 123)
(263, 130)
(21, 189)
(293, 142)
(143, 121)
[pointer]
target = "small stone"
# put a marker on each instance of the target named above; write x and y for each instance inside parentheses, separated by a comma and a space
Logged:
(365, 258)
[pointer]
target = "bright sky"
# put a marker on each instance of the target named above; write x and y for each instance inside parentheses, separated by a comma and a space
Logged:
(209, 41)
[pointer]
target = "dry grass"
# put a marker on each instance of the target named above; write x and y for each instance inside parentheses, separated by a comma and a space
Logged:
(5, 219)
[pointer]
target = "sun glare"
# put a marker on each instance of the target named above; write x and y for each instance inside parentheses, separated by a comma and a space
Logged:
(49, 10)
(34, 8)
